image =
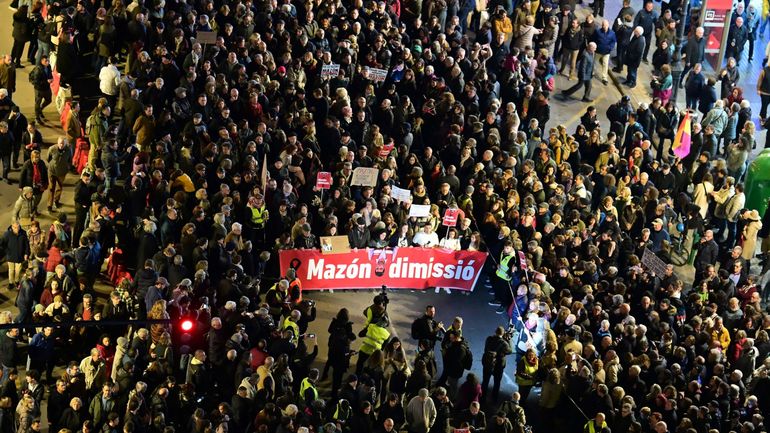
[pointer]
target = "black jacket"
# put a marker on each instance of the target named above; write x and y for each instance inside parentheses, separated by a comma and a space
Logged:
(634, 52)
(26, 178)
(695, 50)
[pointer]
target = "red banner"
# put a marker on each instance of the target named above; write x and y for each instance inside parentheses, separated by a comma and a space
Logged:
(397, 268)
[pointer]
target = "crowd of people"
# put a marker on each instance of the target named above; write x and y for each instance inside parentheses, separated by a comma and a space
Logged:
(198, 164)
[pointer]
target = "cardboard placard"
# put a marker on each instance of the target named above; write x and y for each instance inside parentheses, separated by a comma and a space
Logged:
(653, 263)
(334, 244)
(365, 176)
(330, 70)
(450, 217)
(324, 180)
(204, 38)
(400, 194)
(419, 210)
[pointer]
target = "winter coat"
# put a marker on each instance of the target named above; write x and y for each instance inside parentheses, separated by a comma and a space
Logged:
(750, 232)
(24, 207)
(22, 30)
(16, 245)
(586, 67)
(716, 117)
(605, 41)
(634, 52)
(420, 415)
(144, 128)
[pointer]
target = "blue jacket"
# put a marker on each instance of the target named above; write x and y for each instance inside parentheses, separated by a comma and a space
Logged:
(605, 41)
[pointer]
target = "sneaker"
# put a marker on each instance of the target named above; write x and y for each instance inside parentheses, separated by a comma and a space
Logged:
(587, 100)
(10, 286)
(495, 303)
(50, 209)
(438, 289)
(605, 82)
(57, 205)
(448, 292)
(500, 310)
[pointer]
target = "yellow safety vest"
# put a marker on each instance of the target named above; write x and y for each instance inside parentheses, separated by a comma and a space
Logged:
(258, 216)
(530, 371)
(304, 386)
(503, 267)
(374, 339)
(290, 324)
(592, 427)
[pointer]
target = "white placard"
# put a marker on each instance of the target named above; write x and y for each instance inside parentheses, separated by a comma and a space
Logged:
(365, 176)
(377, 75)
(330, 70)
(400, 194)
(419, 210)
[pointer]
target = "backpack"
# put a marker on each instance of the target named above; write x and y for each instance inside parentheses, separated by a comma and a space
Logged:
(415, 330)
(34, 75)
(468, 358)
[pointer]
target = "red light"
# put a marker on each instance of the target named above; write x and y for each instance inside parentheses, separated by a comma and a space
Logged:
(187, 325)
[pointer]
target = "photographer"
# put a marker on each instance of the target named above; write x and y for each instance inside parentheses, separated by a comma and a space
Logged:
(426, 328)
(496, 348)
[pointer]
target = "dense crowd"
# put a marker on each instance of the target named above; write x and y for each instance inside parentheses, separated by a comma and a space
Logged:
(198, 164)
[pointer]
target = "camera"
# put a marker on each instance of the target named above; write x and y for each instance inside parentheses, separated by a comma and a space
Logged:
(509, 331)
(384, 296)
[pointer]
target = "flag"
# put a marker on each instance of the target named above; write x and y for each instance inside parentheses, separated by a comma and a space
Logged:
(681, 145)
(264, 174)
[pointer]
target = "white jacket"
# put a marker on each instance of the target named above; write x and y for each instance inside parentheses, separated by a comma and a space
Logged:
(109, 80)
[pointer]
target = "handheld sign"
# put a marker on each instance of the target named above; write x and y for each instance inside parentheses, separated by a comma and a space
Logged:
(365, 176)
(330, 70)
(377, 75)
(324, 180)
(400, 194)
(205, 38)
(450, 217)
(419, 210)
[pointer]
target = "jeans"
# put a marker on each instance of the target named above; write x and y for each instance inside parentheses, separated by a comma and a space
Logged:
(762, 26)
(6, 165)
(631, 77)
(569, 56)
(692, 101)
(31, 50)
(647, 43)
(43, 49)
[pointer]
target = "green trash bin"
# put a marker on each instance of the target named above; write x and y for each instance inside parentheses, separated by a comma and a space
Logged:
(758, 182)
